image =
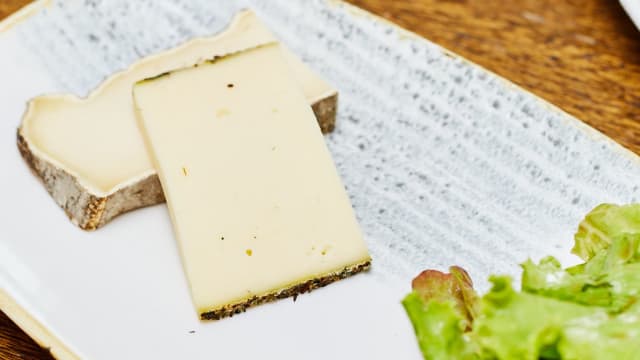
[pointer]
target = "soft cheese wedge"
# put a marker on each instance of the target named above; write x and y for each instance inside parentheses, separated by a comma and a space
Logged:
(89, 152)
(257, 206)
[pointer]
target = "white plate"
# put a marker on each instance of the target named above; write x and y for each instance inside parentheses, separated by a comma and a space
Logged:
(632, 7)
(445, 164)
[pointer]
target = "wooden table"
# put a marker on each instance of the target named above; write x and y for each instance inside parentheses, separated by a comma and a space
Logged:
(581, 55)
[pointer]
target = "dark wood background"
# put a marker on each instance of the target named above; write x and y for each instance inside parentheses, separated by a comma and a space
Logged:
(581, 55)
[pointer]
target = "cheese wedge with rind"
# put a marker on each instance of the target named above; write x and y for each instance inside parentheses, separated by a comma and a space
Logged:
(89, 152)
(257, 205)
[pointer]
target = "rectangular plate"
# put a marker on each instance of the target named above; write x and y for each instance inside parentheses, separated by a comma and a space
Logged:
(445, 163)
(632, 7)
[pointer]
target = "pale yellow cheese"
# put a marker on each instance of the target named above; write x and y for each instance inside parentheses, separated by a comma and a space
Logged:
(255, 199)
(96, 139)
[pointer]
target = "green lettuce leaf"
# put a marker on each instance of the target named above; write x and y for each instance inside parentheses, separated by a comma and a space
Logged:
(516, 325)
(441, 308)
(604, 223)
(520, 325)
(439, 328)
(600, 337)
(455, 286)
(624, 249)
(588, 311)
(611, 279)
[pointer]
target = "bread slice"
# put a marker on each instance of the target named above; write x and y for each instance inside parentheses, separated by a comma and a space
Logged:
(89, 152)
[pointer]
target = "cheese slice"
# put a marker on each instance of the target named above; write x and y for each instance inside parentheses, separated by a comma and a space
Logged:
(89, 152)
(256, 203)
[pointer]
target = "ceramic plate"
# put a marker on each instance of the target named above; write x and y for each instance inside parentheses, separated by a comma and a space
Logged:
(445, 164)
(632, 7)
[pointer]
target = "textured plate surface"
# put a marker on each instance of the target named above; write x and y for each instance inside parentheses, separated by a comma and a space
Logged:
(445, 164)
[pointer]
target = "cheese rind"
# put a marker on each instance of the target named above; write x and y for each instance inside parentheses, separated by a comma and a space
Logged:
(89, 152)
(256, 202)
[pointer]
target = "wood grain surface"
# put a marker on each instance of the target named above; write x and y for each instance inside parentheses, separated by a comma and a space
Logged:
(581, 55)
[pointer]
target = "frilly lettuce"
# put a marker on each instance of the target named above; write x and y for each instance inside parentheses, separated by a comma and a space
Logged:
(442, 307)
(519, 325)
(611, 279)
(589, 311)
(602, 225)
